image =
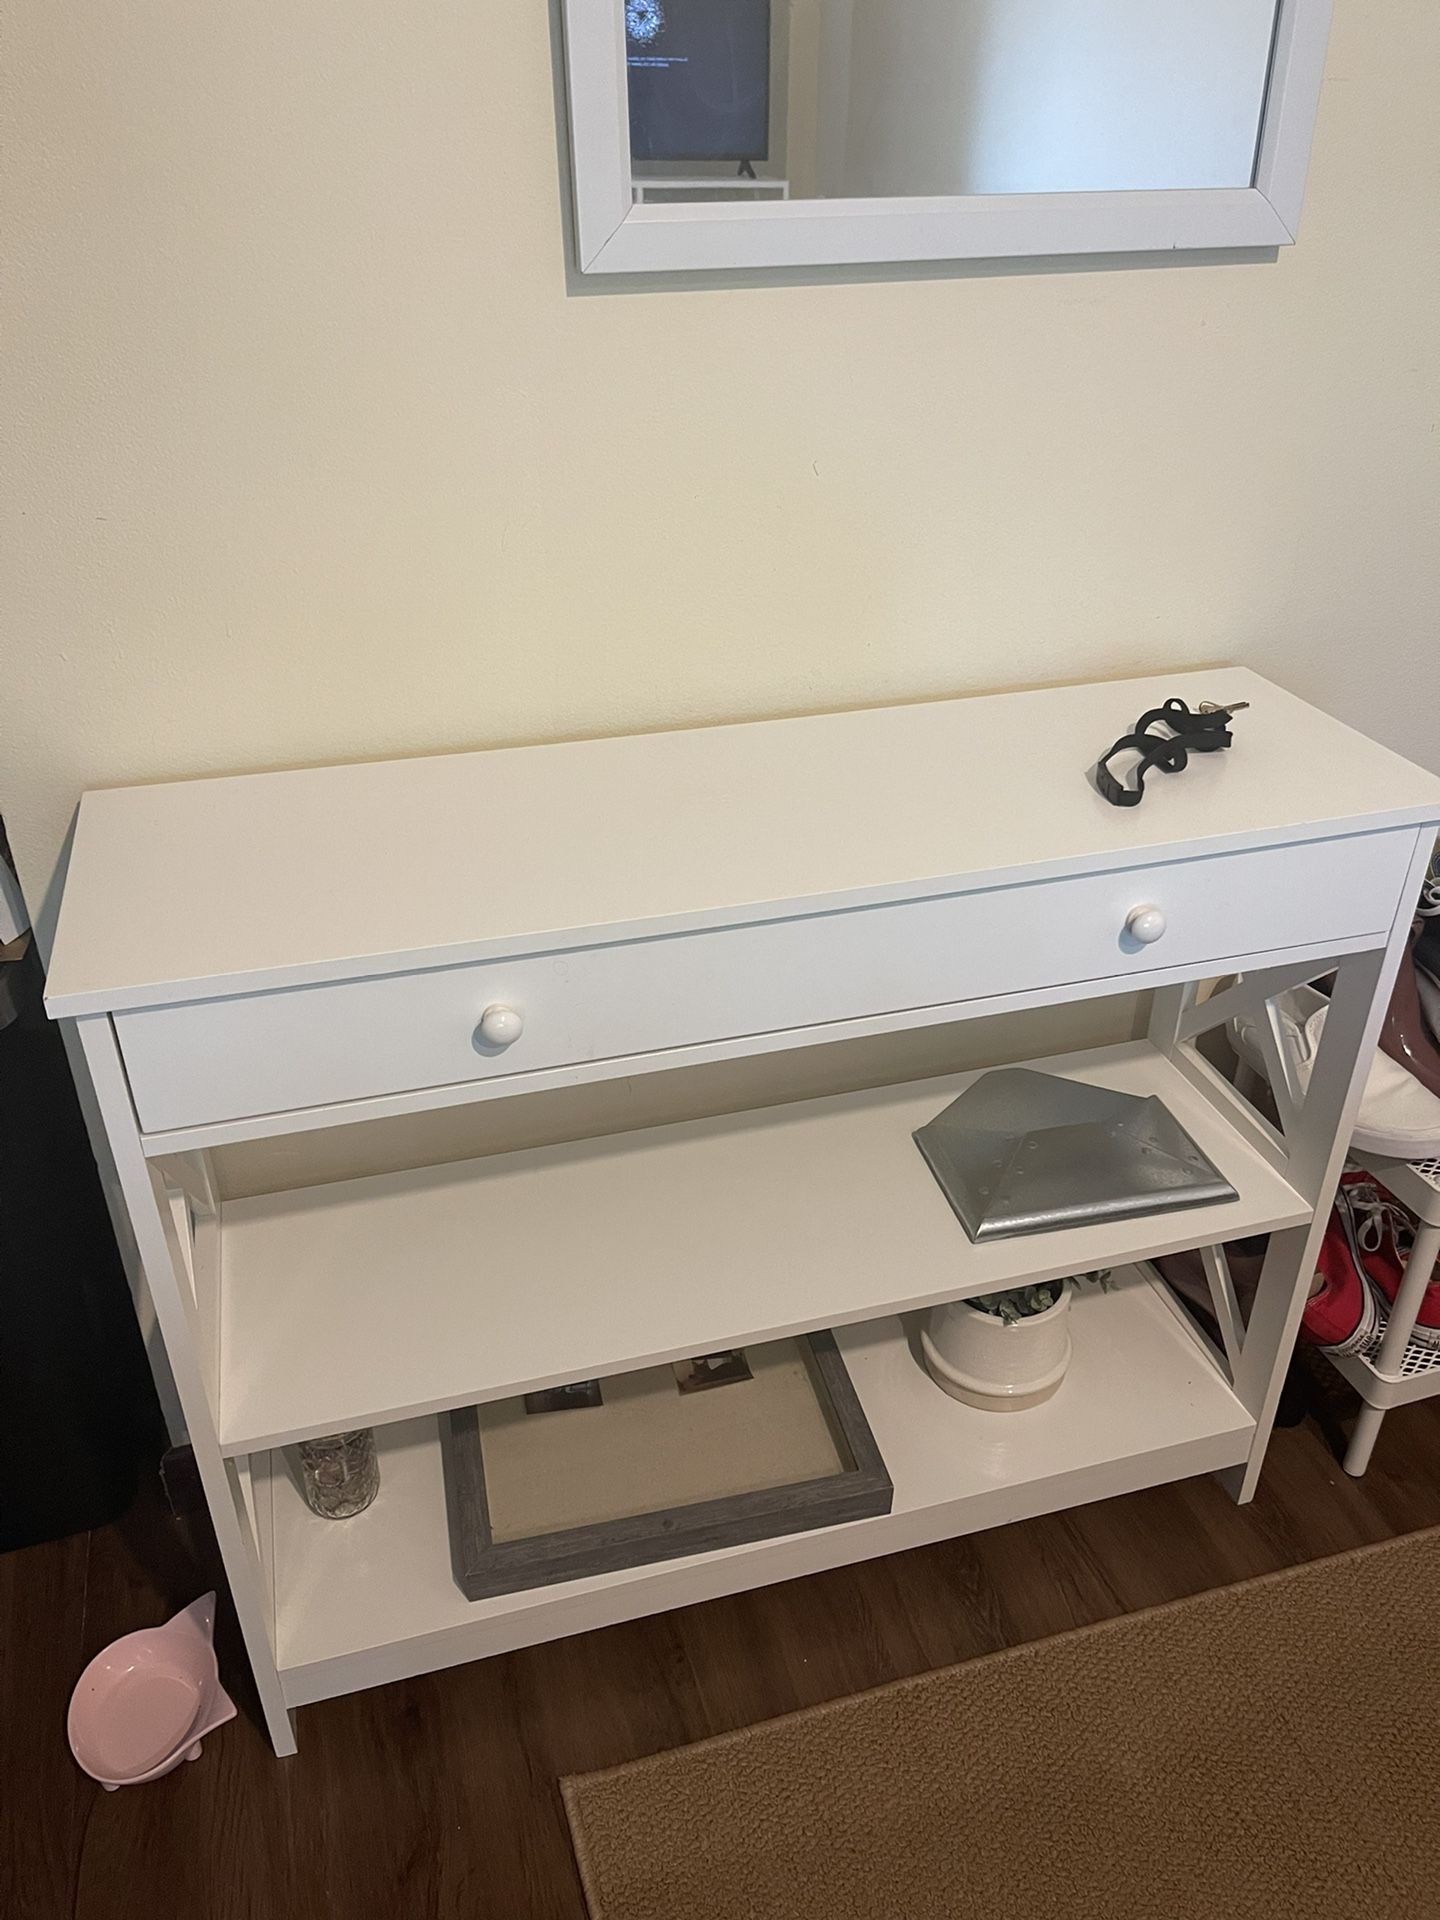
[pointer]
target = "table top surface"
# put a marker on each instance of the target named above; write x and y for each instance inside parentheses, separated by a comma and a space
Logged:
(198, 888)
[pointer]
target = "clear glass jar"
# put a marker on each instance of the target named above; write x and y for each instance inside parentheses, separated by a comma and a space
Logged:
(339, 1473)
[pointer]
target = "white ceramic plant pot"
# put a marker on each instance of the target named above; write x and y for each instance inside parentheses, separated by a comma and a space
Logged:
(1000, 1365)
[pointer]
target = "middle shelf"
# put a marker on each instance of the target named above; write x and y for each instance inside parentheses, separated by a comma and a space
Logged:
(379, 1299)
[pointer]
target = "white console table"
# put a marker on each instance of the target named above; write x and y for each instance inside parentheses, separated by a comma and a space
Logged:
(273, 953)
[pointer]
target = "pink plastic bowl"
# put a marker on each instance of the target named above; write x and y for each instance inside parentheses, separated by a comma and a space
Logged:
(145, 1703)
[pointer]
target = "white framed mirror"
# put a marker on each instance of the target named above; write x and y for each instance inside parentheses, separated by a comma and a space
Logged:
(804, 133)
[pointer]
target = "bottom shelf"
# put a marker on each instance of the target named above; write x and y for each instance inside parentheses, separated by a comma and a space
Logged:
(364, 1601)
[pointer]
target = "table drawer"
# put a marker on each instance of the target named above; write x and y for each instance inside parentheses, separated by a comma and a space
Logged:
(262, 1053)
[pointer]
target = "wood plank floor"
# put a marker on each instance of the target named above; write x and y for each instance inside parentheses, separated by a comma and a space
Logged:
(437, 1797)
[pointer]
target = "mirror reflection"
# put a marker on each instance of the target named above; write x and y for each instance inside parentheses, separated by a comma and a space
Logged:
(832, 99)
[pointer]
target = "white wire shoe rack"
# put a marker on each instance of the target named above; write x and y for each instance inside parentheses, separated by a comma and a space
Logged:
(1397, 1369)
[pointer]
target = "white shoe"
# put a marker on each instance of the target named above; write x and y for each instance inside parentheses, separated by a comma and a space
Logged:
(1398, 1119)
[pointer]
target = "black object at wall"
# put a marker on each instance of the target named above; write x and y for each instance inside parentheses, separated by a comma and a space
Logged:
(78, 1412)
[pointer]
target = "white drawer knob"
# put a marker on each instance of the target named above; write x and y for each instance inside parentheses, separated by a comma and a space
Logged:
(500, 1026)
(1145, 924)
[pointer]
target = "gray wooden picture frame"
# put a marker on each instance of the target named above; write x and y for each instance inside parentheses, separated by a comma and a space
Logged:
(485, 1567)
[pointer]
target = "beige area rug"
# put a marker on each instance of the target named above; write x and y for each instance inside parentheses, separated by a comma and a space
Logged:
(1266, 1751)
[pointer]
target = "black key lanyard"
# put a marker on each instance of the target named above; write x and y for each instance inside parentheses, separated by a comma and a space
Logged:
(1206, 730)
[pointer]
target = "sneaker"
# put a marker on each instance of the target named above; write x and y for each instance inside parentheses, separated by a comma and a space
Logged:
(1398, 1120)
(1345, 1315)
(1381, 1232)
(1429, 907)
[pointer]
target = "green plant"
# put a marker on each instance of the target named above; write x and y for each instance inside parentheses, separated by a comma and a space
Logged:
(1023, 1303)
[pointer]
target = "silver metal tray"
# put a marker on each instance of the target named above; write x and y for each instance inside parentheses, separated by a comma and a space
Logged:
(1027, 1152)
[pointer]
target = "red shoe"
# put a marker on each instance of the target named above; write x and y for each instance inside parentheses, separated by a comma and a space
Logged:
(1381, 1234)
(1345, 1315)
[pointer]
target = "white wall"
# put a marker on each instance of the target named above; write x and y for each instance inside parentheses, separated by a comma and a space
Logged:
(1048, 96)
(314, 458)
